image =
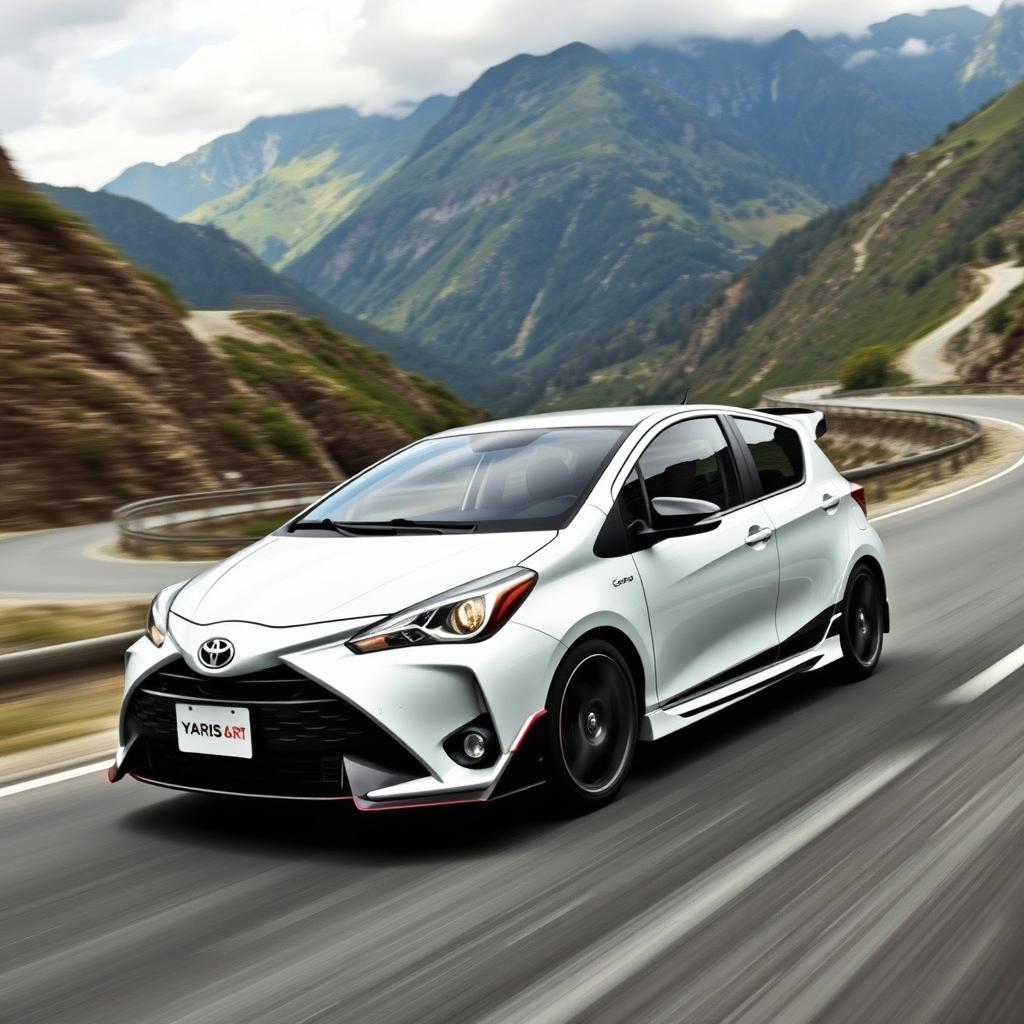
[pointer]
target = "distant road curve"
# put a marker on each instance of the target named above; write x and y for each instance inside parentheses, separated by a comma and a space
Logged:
(68, 564)
(925, 360)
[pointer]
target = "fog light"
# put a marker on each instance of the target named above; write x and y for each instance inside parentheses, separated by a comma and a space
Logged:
(474, 746)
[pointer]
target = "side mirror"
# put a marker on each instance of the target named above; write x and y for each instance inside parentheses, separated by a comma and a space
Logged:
(678, 518)
(683, 511)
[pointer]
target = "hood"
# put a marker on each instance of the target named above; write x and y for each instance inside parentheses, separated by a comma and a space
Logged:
(291, 580)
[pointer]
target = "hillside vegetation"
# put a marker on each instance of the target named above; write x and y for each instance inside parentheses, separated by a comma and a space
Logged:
(559, 194)
(281, 183)
(105, 396)
(883, 271)
(210, 270)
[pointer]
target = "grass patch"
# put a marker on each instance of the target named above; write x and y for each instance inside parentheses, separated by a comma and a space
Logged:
(39, 625)
(32, 210)
(55, 715)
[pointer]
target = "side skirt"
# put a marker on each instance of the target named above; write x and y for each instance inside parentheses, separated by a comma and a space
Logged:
(662, 721)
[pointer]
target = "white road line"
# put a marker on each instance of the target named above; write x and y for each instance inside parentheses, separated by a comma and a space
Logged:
(985, 680)
(629, 950)
(50, 780)
(970, 487)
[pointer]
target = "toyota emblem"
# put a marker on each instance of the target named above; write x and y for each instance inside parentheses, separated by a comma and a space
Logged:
(216, 652)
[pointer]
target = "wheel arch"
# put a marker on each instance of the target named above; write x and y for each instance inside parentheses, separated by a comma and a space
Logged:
(625, 646)
(872, 563)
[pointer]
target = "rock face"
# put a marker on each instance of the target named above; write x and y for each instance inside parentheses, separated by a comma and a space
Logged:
(105, 396)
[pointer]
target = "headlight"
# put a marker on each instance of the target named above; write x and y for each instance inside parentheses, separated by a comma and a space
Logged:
(471, 612)
(156, 620)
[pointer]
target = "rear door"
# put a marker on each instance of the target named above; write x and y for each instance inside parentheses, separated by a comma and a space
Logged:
(806, 515)
(711, 596)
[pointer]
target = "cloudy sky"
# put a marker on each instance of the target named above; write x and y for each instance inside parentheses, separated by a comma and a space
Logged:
(88, 87)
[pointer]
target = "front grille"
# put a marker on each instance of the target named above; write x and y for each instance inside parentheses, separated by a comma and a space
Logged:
(300, 731)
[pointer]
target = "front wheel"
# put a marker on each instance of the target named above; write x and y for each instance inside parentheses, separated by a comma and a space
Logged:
(591, 727)
(862, 626)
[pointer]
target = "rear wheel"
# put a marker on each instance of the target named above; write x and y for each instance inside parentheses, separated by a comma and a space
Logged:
(591, 727)
(862, 625)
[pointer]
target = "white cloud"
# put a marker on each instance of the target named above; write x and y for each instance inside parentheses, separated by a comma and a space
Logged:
(859, 57)
(915, 48)
(90, 86)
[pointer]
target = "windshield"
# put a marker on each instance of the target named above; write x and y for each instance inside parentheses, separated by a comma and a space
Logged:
(505, 480)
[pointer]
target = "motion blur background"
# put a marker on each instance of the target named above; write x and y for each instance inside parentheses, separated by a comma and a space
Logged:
(246, 249)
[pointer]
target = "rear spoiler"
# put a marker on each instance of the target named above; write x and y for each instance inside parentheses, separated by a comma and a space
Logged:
(811, 419)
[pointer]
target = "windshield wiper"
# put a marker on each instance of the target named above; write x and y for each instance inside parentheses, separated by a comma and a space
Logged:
(390, 526)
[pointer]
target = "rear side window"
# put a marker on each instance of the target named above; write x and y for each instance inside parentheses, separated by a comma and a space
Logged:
(777, 452)
(691, 460)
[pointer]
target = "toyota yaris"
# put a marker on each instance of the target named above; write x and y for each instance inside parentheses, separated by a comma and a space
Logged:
(509, 604)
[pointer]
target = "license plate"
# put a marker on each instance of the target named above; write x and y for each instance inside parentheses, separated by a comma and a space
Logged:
(213, 729)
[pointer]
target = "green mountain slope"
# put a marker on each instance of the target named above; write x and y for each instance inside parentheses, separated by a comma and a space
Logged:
(559, 194)
(883, 271)
(105, 396)
(283, 179)
(286, 211)
(821, 123)
(210, 270)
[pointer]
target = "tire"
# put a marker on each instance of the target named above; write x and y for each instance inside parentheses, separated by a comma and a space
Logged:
(862, 625)
(591, 727)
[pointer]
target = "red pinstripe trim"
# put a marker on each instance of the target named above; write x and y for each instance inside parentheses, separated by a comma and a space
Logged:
(527, 726)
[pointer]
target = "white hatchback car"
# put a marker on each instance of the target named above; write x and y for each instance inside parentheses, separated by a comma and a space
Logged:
(508, 604)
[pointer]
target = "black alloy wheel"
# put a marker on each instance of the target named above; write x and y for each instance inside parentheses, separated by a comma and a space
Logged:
(591, 726)
(863, 624)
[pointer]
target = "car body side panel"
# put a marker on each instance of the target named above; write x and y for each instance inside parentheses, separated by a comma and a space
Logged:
(578, 593)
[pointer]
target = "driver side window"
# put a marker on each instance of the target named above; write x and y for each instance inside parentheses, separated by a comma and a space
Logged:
(691, 460)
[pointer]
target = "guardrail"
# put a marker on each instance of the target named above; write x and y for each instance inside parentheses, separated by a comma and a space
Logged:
(58, 659)
(963, 433)
(151, 522)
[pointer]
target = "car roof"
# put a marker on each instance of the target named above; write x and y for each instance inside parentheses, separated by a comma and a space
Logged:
(623, 416)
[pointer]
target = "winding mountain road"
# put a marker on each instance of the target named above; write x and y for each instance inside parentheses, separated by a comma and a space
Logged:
(925, 360)
(823, 853)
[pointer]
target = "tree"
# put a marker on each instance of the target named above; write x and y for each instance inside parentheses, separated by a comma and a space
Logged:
(995, 248)
(868, 367)
(998, 320)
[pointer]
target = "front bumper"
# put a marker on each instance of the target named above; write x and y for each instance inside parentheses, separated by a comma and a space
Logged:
(331, 724)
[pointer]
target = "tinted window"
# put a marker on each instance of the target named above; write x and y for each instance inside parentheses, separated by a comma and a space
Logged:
(778, 454)
(501, 480)
(691, 460)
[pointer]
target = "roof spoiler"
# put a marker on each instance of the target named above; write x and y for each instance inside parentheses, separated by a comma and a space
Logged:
(812, 419)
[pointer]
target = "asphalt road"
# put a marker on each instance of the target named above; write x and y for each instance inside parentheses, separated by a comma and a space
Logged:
(824, 853)
(69, 564)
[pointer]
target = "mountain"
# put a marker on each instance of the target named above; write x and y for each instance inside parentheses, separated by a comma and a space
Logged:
(105, 396)
(280, 183)
(824, 125)
(997, 61)
(560, 194)
(885, 270)
(915, 61)
(210, 270)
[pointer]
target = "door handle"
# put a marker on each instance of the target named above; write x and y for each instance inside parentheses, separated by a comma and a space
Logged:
(758, 535)
(830, 502)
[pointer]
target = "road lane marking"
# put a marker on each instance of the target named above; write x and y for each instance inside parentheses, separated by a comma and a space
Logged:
(627, 951)
(54, 778)
(985, 680)
(963, 490)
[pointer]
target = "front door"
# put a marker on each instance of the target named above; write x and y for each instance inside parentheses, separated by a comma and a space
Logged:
(711, 596)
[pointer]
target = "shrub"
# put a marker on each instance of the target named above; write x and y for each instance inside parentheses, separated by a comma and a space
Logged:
(995, 248)
(868, 367)
(29, 208)
(997, 321)
(94, 452)
(918, 279)
(286, 435)
(238, 435)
